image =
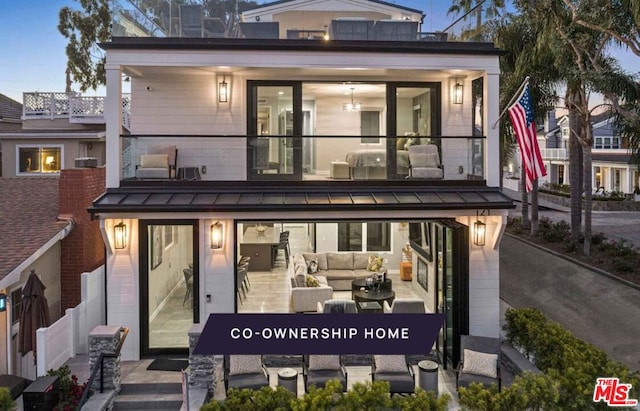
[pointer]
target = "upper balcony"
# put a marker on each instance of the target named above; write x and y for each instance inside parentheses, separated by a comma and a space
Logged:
(72, 106)
(146, 18)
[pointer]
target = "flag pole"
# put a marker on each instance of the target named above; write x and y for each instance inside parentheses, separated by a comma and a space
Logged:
(515, 95)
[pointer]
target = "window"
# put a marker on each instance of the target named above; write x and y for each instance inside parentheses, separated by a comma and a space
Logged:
(16, 305)
(607, 142)
(39, 159)
(364, 237)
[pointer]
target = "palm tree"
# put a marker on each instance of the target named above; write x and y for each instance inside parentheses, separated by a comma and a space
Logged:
(491, 11)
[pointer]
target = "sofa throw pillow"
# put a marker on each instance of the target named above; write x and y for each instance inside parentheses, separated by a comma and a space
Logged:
(480, 363)
(324, 362)
(375, 263)
(312, 266)
(312, 281)
(244, 364)
(391, 363)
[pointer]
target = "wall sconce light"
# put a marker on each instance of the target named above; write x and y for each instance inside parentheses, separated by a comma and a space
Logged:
(458, 91)
(3, 302)
(120, 236)
(223, 90)
(216, 235)
(479, 233)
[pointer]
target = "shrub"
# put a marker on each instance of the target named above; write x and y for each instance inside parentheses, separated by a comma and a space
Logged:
(70, 390)
(570, 247)
(572, 363)
(362, 396)
(6, 402)
(597, 238)
(553, 232)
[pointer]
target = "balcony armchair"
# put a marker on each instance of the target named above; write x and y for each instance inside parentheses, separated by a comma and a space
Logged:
(424, 162)
(158, 162)
(245, 371)
(479, 361)
(318, 369)
(396, 370)
(337, 306)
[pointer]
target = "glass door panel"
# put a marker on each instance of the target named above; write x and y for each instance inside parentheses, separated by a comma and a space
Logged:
(168, 285)
(273, 132)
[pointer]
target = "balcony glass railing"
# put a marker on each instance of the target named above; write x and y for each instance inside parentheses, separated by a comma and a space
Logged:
(332, 158)
(166, 18)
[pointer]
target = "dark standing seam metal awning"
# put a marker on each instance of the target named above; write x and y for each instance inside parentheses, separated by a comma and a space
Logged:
(260, 199)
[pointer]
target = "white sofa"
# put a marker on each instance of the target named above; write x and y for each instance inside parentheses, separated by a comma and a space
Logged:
(305, 298)
(339, 268)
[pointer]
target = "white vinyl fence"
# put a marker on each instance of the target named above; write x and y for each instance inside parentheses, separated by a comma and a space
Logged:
(69, 335)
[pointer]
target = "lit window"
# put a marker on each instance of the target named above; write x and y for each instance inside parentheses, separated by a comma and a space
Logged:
(39, 159)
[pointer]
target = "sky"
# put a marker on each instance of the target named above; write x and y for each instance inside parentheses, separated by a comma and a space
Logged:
(32, 56)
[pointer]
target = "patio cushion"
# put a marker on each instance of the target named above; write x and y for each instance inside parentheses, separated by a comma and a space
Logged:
(480, 363)
(245, 364)
(154, 161)
(324, 362)
(390, 363)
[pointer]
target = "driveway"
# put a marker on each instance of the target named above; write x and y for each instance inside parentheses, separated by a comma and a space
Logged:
(595, 308)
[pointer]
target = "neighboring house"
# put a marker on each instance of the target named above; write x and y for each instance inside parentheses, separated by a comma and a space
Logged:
(613, 166)
(300, 132)
(10, 113)
(44, 227)
(54, 130)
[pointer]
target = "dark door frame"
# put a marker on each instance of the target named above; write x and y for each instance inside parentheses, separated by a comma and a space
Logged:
(143, 264)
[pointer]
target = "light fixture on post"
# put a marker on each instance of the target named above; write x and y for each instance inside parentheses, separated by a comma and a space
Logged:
(479, 233)
(216, 235)
(120, 236)
(351, 106)
(457, 92)
(223, 90)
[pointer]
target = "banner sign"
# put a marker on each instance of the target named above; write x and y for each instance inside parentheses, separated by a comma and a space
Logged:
(319, 334)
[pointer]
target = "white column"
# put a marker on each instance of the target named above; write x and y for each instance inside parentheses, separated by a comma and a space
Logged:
(113, 117)
(492, 111)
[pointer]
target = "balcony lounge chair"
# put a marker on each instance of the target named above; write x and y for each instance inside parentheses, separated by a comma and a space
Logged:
(480, 361)
(158, 162)
(318, 369)
(424, 162)
(337, 306)
(245, 371)
(405, 306)
(396, 370)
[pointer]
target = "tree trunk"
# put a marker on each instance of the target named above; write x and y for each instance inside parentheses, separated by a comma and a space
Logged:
(587, 133)
(575, 163)
(524, 199)
(534, 208)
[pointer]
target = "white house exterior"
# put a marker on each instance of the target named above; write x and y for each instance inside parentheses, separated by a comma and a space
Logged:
(303, 130)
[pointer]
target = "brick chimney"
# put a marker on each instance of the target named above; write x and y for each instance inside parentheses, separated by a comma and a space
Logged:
(83, 249)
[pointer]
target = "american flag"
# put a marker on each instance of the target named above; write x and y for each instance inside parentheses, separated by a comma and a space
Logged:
(521, 114)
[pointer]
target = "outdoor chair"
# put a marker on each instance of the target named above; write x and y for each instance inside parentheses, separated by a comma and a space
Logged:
(405, 306)
(245, 371)
(318, 369)
(396, 370)
(158, 162)
(424, 162)
(479, 361)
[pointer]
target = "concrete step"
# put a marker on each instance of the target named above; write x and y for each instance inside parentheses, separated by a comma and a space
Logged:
(149, 396)
(151, 388)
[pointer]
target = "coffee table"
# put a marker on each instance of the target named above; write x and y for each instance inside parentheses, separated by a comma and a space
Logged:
(375, 296)
(360, 283)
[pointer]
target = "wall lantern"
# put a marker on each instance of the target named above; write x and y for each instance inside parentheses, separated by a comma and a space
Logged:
(457, 92)
(3, 302)
(216, 235)
(120, 236)
(223, 90)
(479, 233)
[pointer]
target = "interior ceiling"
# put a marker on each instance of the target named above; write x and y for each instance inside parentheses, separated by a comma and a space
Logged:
(328, 82)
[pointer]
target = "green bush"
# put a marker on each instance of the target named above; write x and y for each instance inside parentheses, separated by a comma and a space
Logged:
(528, 392)
(553, 232)
(572, 363)
(6, 402)
(598, 238)
(362, 396)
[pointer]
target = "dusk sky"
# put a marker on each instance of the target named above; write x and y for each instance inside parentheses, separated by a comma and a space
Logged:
(32, 56)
